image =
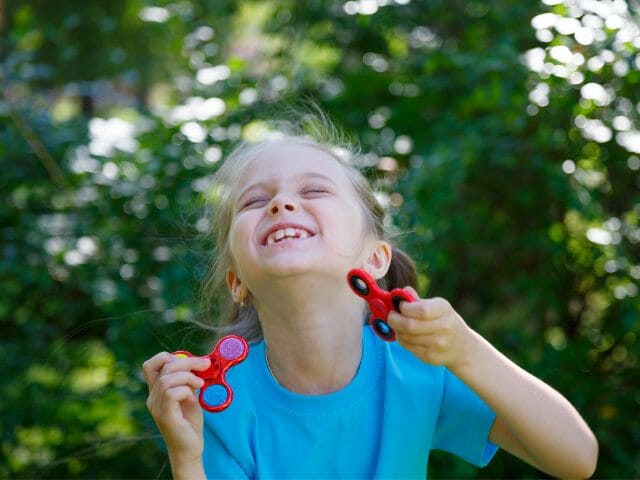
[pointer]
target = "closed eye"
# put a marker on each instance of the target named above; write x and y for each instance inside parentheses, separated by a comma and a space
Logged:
(254, 202)
(315, 191)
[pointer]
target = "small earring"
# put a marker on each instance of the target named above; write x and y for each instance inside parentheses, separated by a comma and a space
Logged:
(243, 303)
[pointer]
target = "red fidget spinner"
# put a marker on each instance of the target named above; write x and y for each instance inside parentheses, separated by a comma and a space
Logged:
(216, 394)
(380, 301)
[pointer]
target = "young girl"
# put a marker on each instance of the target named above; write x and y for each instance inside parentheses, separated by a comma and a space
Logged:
(320, 395)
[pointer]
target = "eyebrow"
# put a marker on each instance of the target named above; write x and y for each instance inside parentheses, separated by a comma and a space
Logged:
(309, 175)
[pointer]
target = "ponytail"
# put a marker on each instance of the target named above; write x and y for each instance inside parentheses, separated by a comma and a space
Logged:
(402, 271)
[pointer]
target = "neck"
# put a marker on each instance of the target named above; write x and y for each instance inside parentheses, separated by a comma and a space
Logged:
(313, 341)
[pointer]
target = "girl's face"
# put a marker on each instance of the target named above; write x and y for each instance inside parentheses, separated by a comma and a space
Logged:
(295, 212)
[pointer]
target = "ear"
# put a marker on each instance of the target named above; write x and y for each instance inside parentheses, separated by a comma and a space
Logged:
(379, 259)
(237, 288)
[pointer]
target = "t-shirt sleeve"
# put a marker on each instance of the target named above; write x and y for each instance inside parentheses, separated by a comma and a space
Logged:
(464, 423)
(217, 460)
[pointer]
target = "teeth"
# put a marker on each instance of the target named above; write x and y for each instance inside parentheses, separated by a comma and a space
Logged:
(286, 233)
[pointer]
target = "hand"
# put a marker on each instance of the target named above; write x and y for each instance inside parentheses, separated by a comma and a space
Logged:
(432, 330)
(173, 403)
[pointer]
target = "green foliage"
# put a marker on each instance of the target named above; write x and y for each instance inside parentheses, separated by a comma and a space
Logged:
(504, 139)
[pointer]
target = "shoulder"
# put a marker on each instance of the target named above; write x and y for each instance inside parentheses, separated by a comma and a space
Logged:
(409, 383)
(406, 371)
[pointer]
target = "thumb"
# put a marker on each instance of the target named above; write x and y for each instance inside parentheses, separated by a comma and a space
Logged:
(412, 291)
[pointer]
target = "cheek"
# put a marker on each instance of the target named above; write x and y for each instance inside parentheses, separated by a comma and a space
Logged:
(356, 218)
(239, 240)
(351, 225)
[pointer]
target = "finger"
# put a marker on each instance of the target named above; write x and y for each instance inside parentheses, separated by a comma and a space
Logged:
(171, 399)
(432, 341)
(164, 363)
(402, 295)
(186, 364)
(426, 309)
(152, 367)
(416, 327)
(200, 363)
(412, 292)
(177, 379)
(166, 383)
(407, 325)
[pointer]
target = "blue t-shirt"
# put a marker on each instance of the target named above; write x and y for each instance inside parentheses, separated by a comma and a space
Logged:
(382, 425)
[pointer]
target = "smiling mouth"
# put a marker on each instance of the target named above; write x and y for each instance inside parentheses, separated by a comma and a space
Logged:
(286, 234)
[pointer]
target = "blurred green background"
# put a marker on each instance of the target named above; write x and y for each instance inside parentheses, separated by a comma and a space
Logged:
(504, 137)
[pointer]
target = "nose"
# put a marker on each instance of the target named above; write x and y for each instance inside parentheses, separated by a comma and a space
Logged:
(280, 204)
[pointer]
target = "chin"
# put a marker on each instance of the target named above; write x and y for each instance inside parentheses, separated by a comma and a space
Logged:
(288, 269)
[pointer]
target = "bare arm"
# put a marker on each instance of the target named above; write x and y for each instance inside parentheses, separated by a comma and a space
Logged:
(534, 422)
(187, 471)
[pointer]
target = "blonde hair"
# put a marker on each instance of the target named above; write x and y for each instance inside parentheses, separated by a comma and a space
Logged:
(316, 131)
